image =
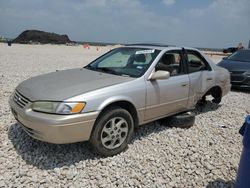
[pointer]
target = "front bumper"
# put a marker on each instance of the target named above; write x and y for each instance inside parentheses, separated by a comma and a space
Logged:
(240, 86)
(240, 81)
(57, 129)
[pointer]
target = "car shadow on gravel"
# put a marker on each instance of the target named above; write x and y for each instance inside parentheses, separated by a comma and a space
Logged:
(209, 106)
(220, 183)
(45, 155)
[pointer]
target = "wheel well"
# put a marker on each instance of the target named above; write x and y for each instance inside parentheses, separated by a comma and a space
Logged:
(125, 105)
(215, 91)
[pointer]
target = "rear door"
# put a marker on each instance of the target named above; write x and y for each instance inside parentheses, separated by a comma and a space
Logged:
(171, 95)
(200, 74)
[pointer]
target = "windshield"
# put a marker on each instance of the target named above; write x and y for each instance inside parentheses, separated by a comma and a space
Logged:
(241, 55)
(125, 61)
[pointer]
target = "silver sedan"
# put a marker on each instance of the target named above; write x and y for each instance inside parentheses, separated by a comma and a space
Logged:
(104, 101)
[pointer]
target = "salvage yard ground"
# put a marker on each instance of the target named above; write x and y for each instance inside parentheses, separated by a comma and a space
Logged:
(205, 155)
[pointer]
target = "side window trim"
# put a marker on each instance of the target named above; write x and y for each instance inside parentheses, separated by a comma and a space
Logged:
(182, 61)
(196, 53)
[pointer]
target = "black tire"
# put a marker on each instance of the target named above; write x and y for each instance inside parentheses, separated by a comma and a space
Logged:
(96, 138)
(183, 120)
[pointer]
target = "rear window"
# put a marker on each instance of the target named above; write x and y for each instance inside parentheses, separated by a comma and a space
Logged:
(241, 55)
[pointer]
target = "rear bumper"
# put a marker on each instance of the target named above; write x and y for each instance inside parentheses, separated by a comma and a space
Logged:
(58, 129)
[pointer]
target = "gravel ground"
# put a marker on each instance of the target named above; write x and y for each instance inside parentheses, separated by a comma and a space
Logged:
(160, 155)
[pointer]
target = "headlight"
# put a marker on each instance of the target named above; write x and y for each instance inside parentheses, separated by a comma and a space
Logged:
(58, 107)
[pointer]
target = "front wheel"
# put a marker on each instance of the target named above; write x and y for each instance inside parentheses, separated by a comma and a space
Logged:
(112, 132)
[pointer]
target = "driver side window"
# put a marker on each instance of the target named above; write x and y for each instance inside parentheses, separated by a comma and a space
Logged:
(171, 62)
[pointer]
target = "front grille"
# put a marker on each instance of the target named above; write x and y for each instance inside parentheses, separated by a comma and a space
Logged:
(20, 100)
(237, 78)
(237, 72)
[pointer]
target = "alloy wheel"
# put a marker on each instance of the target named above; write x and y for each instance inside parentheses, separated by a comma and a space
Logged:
(114, 132)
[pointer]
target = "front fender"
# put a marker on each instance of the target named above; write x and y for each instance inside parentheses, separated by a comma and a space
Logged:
(114, 99)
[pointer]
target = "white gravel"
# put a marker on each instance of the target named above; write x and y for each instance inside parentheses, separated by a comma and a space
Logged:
(205, 155)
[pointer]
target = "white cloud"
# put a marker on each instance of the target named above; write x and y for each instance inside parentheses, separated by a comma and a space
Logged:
(222, 23)
(121, 21)
(224, 10)
(169, 2)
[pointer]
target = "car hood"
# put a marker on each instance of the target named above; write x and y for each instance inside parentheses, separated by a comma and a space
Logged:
(61, 85)
(235, 65)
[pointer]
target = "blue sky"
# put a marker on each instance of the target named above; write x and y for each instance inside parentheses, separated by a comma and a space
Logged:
(196, 23)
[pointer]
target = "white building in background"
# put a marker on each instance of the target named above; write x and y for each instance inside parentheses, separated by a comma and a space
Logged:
(2, 39)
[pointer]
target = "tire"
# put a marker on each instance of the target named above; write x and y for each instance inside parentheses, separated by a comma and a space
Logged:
(112, 132)
(183, 120)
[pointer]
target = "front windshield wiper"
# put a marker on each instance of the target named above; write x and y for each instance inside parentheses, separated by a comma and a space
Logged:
(90, 67)
(103, 69)
(107, 70)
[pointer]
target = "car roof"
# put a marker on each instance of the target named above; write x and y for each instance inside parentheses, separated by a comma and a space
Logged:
(157, 46)
(151, 45)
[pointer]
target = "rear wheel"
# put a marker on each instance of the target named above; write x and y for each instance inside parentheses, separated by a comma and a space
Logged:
(112, 132)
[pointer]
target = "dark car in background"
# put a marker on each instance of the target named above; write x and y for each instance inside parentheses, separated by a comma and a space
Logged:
(230, 50)
(238, 64)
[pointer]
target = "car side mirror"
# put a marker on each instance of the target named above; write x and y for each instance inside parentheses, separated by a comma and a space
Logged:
(160, 75)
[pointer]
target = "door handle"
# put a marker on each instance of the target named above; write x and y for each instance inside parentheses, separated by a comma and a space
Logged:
(209, 79)
(184, 84)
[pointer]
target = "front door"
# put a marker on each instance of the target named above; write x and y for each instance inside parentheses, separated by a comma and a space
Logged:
(171, 95)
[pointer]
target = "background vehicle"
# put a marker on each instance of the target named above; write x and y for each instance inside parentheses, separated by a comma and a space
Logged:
(230, 50)
(124, 88)
(238, 64)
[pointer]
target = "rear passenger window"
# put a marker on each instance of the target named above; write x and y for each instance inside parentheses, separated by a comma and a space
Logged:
(196, 63)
